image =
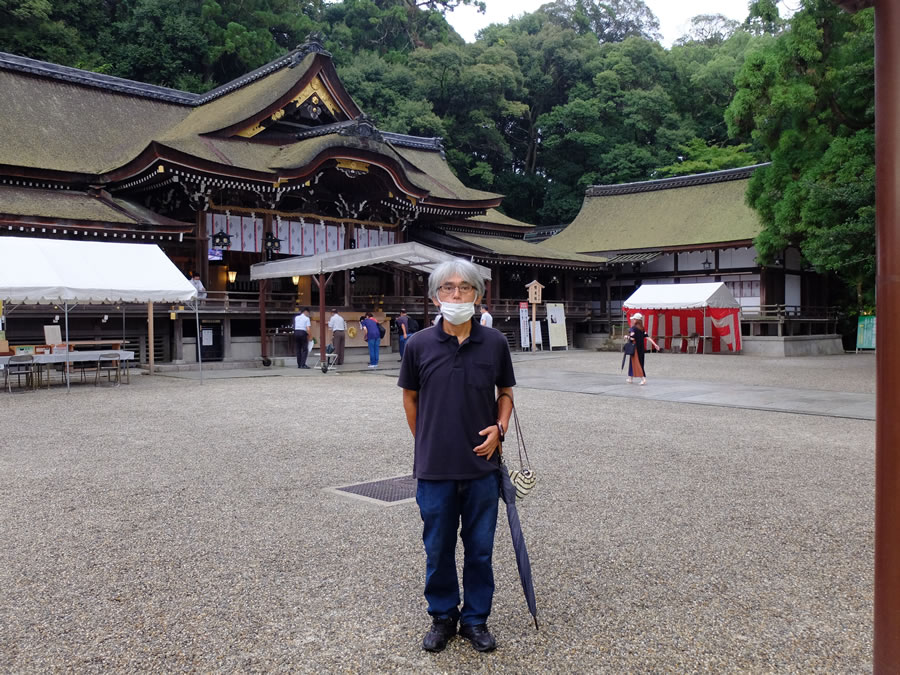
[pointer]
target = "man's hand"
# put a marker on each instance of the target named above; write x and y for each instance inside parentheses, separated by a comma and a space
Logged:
(491, 443)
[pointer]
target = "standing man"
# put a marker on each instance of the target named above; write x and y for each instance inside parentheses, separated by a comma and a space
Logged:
(402, 322)
(452, 377)
(486, 319)
(338, 327)
(301, 337)
(372, 336)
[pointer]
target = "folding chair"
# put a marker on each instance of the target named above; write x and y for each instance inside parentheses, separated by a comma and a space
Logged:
(20, 365)
(109, 363)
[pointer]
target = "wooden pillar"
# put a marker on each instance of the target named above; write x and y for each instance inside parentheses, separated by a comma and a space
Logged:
(201, 249)
(178, 339)
(150, 337)
(226, 339)
(263, 338)
(886, 657)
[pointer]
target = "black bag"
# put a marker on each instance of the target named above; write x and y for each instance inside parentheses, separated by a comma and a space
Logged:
(381, 330)
(628, 348)
(412, 326)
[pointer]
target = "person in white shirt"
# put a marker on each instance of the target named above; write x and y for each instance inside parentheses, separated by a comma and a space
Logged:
(486, 319)
(338, 327)
(301, 337)
(201, 290)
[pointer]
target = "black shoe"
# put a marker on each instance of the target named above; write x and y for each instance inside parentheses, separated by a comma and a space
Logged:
(439, 634)
(306, 367)
(479, 636)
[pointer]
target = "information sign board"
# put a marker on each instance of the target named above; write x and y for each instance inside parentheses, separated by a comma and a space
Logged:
(865, 333)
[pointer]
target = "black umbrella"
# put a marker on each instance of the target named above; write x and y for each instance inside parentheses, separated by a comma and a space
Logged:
(508, 493)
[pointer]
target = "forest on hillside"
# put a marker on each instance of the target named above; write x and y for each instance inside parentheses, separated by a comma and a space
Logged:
(578, 93)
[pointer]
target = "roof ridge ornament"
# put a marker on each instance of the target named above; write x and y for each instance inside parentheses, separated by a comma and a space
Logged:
(363, 127)
(314, 45)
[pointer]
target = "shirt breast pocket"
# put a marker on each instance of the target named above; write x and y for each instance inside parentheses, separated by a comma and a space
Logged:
(481, 376)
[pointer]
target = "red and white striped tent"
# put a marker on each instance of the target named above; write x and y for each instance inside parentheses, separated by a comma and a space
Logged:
(681, 311)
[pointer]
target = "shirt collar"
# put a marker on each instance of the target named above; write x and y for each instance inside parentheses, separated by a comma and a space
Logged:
(477, 334)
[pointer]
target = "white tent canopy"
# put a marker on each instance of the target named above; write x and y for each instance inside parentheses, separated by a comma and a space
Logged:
(36, 270)
(681, 296)
(68, 272)
(412, 255)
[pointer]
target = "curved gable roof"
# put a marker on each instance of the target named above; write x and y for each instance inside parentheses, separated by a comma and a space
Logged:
(694, 210)
(106, 129)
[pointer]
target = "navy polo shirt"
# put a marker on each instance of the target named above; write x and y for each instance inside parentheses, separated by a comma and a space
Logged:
(457, 398)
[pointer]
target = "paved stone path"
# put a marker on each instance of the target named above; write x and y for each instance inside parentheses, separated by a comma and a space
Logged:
(780, 399)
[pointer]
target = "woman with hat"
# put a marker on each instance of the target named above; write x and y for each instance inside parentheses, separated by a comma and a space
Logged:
(636, 336)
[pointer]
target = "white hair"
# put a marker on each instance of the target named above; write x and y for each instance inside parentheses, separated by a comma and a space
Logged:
(464, 269)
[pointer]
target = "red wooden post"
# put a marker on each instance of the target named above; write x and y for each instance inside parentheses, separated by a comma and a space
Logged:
(886, 657)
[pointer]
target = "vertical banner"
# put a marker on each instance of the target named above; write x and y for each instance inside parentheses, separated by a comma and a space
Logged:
(321, 240)
(556, 325)
(309, 238)
(373, 238)
(296, 243)
(234, 231)
(283, 232)
(219, 224)
(331, 241)
(384, 238)
(524, 326)
(362, 238)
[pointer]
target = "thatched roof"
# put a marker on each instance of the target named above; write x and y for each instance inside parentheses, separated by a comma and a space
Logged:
(106, 129)
(25, 205)
(654, 215)
(64, 126)
(494, 217)
(519, 248)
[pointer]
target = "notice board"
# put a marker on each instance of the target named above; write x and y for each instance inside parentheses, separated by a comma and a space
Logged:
(865, 333)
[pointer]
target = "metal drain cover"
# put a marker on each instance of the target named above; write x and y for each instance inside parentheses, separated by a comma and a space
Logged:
(386, 491)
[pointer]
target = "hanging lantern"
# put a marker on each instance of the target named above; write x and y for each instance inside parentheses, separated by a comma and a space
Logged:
(273, 243)
(221, 239)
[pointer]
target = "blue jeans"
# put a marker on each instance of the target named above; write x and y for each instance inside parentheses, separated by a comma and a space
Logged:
(442, 504)
(403, 345)
(373, 350)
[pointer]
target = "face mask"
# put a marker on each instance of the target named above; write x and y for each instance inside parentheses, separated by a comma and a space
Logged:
(457, 312)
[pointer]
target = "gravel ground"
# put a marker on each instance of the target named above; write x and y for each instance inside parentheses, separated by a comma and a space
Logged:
(170, 526)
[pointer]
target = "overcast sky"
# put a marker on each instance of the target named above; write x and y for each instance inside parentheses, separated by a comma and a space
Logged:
(674, 15)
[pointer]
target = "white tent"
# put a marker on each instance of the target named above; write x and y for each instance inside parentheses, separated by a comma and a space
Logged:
(36, 270)
(411, 255)
(677, 312)
(681, 296)
(68, 273)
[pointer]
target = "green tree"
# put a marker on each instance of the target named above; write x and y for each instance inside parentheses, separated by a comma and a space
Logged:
(609, 20)
(709, 30)
(618, 129)
(696, 156)
(808, 98)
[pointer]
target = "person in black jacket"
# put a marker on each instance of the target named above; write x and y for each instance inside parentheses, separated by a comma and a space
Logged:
(637, 336)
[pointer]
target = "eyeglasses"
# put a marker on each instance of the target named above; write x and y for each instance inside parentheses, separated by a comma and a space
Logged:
(448, 289)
